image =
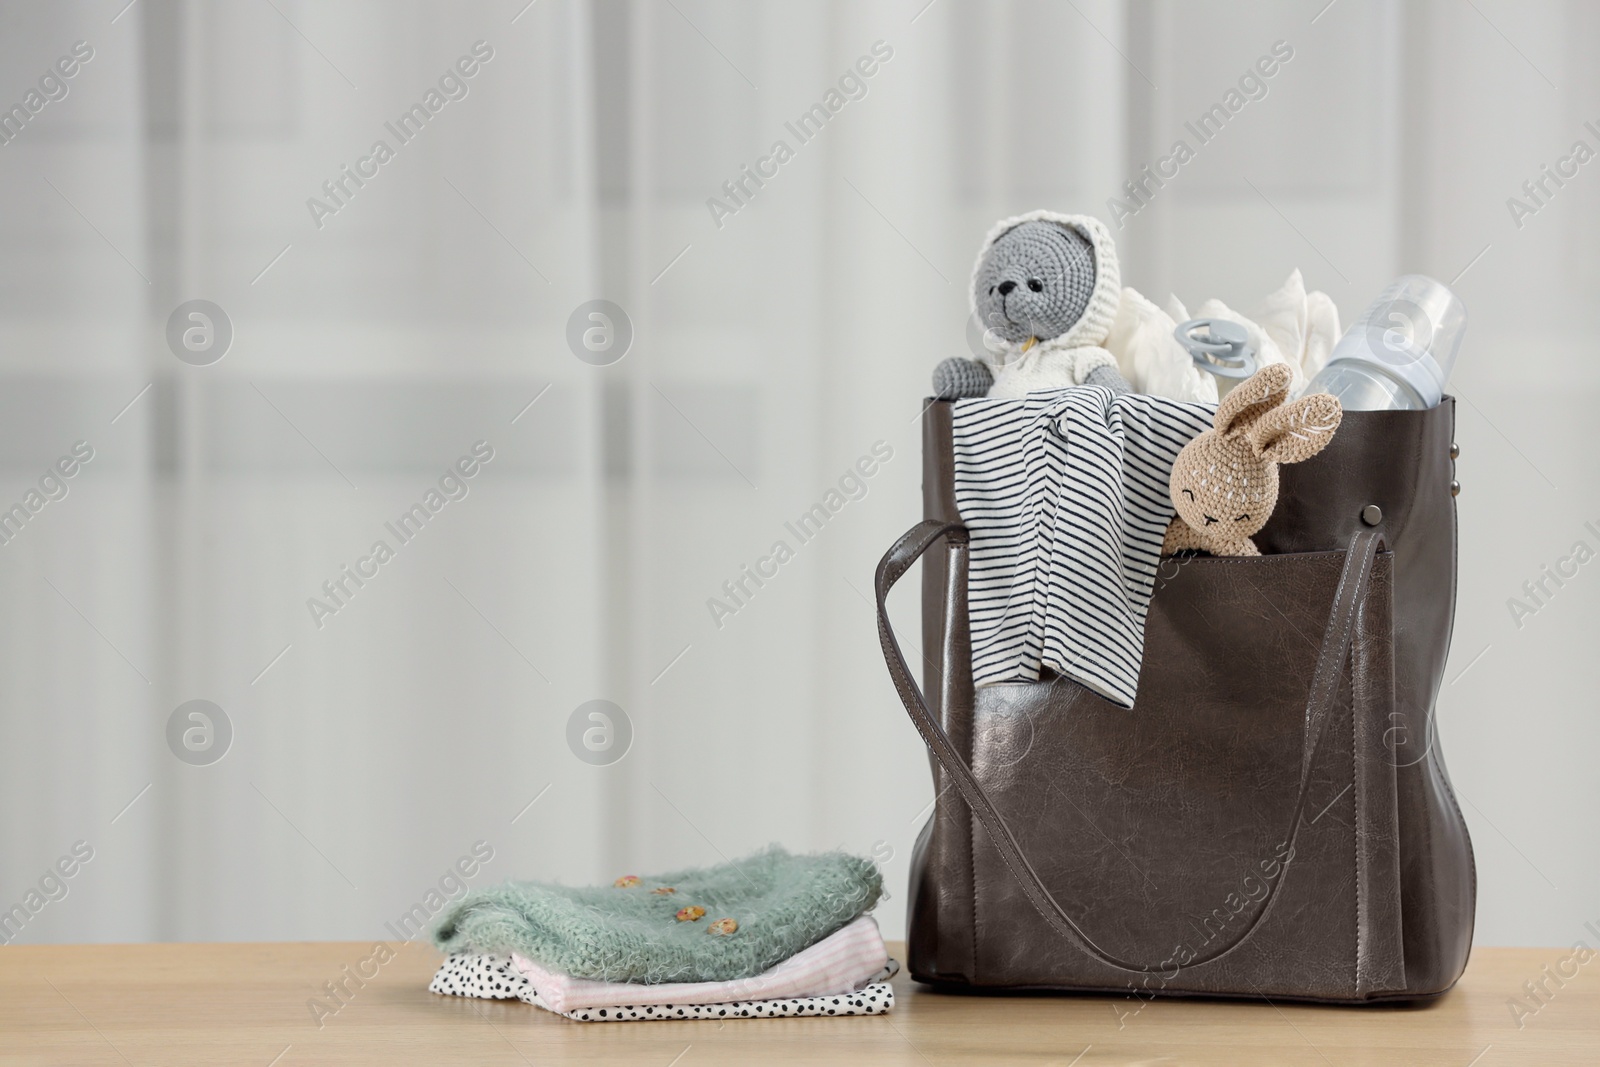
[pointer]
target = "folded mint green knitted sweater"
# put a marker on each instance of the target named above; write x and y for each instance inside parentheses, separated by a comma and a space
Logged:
(637, 931)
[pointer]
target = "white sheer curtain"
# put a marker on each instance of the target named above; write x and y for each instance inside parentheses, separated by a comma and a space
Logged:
(370, 353)
(778, 340)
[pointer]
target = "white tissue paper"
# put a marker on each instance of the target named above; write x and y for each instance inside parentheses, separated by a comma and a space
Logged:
(1150, 357)
(1294, 327)
(1304, 326)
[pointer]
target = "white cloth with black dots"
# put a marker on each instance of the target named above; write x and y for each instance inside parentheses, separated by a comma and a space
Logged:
(494, 977)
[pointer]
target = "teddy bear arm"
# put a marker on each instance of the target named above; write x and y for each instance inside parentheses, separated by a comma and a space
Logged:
(958, 379)
(1108, 377)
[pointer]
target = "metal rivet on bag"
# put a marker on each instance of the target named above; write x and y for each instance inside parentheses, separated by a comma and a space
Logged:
(1455, 450)
(1455, 488)
(1372, 514)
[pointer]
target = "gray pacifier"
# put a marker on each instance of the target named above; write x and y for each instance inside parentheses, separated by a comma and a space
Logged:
(1219, 346)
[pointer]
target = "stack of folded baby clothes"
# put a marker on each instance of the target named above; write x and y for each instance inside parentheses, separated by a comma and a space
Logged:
(772, 935)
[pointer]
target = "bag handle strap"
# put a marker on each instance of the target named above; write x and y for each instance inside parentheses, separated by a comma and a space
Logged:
(1336, 640)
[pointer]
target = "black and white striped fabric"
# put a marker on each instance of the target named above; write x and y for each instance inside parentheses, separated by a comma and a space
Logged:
(1065, 498)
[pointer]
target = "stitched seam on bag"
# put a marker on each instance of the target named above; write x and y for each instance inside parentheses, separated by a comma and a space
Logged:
(1317, 555)
(1321, 555)
(972, 896)
(972, 859)
(1346, 634)
(1356, 800)
(1357, 615)
(1316, 681)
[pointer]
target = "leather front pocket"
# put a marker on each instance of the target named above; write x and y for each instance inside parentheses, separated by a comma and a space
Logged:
(1164, 830)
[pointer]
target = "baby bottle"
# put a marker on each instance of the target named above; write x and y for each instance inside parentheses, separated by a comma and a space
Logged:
(1399, 352)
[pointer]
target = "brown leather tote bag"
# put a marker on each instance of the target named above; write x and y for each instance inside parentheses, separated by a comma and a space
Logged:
(1273, 816)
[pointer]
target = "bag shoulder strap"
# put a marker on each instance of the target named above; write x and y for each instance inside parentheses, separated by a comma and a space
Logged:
(1336, 640)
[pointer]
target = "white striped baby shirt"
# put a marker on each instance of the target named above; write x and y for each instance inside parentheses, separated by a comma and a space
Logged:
(1065, 498)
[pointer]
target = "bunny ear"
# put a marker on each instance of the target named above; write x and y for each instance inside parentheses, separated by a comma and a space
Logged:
(1253, 398)
(1296, 431)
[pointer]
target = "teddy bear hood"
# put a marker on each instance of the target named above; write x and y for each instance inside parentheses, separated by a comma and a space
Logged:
(1095, 325)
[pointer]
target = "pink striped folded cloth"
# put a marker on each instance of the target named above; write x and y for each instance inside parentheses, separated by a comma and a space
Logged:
(842, 962)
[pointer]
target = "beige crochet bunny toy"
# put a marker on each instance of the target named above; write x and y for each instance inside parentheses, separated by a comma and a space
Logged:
(1225, 482)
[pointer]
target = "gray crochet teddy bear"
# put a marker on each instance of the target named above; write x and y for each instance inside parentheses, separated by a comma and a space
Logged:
(1046, 288)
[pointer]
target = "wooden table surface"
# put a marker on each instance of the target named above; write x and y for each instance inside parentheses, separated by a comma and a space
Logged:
(217, 1004)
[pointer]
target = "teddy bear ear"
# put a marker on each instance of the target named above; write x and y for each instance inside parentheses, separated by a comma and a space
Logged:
(1253, 398)
(1296, 431)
